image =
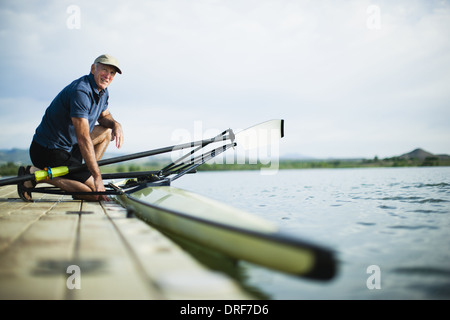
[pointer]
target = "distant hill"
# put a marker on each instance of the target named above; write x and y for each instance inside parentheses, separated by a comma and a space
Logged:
(420, 154)
(15, 155)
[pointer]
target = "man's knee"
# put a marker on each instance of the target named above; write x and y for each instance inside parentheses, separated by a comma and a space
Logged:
(108, 134)
(101, 134)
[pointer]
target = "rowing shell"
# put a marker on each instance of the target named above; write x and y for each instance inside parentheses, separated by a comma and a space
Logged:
(228, 230)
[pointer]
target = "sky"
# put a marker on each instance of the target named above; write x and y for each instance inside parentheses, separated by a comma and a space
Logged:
(350, 78)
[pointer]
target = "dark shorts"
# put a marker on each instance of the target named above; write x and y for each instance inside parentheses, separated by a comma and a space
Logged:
(43, 157)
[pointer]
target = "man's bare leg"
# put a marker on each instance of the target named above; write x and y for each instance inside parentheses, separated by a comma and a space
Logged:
(69, 185)
(101, 138)
(75, 186)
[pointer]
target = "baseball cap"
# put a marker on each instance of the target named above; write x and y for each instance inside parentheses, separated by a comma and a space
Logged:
(109, 60)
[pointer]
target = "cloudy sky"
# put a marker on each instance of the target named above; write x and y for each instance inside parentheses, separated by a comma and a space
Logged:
(350, 78)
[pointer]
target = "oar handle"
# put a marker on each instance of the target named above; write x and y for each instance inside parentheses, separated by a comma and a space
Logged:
(46, 174)
(50, 173)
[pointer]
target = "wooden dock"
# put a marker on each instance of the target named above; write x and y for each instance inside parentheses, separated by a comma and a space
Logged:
(59, 248)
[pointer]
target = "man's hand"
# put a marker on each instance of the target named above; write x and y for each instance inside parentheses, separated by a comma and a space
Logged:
(117, 134)
(106, 120)
(100, 187)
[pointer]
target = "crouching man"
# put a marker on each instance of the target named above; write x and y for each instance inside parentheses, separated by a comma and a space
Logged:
(69, 133)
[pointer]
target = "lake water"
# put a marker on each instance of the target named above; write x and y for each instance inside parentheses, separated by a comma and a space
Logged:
(396, 220)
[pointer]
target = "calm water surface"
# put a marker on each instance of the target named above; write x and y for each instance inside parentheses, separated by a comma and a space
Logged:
(397, 219)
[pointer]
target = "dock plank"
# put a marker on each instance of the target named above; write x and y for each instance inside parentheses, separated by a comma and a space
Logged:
(174, 271)
(107, 269)
(51, 245)
(30, 265)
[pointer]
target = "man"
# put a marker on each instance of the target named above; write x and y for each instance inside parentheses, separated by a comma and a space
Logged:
(68, 133)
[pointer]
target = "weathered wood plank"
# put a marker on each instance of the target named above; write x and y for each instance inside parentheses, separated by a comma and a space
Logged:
(115, 257)
(31, 265)
(175, 272)
(107, 268)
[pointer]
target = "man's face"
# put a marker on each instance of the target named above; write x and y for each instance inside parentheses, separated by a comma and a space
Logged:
(103, 75)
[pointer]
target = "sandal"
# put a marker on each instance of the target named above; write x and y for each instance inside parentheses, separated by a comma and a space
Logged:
(24, 192)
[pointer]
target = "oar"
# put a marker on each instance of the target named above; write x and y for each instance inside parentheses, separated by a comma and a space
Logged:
(50, 173)
(184, 168)
(220, 137)
(261, 135)
(254, 134)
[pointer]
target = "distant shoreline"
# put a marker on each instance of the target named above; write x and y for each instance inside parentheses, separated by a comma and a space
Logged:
(289, 164)
(417, 158)
(11, 170)
(332, 164)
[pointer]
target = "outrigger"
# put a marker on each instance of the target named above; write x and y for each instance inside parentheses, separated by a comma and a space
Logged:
(212, 224)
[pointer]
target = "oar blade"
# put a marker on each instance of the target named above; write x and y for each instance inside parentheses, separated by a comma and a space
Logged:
(261, 135)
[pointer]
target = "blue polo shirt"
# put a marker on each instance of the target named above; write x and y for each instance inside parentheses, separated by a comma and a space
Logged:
(80, 99)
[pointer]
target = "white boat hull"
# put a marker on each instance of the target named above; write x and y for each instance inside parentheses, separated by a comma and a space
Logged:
(228, 230)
